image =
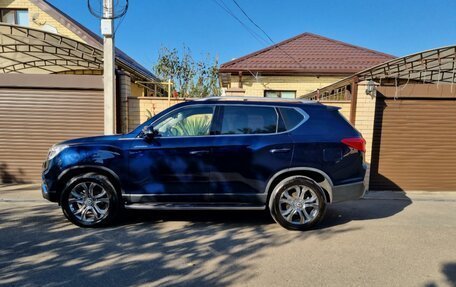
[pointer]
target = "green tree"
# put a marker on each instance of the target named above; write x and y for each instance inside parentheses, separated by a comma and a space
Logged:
(191, 78)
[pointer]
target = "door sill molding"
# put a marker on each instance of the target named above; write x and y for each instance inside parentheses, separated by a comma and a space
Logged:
(196, 206)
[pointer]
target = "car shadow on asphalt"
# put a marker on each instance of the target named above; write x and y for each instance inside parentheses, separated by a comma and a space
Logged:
(40, 248)
(372, 207)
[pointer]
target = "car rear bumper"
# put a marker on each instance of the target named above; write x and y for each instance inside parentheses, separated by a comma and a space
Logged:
(349, 191)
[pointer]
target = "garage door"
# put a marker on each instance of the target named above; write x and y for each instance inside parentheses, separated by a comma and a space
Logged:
(32, 120)
(414, 145)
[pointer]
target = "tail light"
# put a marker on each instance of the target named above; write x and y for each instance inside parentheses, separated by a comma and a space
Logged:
(356, 143)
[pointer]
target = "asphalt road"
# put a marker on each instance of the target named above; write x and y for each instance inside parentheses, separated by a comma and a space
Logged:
(388, 239)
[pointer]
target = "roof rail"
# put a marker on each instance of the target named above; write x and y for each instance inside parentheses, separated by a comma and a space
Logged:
(255, 99)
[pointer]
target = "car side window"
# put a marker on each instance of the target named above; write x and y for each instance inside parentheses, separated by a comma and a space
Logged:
(291, 118)
(248, 120)
(188, 121)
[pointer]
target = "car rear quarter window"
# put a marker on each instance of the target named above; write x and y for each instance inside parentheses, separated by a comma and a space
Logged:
(291, 118)
(248, 120)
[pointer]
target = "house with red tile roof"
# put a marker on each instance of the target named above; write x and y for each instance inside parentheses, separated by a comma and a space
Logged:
(295, 67)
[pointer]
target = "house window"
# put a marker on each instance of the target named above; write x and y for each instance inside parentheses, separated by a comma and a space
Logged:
(14, 16)
(280, 94)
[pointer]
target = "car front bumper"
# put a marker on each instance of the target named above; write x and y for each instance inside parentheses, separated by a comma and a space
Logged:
(349, 191)
(47, 193)
(48, 184)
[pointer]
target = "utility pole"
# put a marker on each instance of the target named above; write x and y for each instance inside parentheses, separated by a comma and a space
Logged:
(107, 29)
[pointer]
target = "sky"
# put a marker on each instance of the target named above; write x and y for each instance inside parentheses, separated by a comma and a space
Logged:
(397, 27)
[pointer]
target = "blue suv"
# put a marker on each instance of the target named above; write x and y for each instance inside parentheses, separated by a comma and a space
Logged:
(290, 157)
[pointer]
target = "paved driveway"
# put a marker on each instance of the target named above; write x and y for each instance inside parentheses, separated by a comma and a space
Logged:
(388, 239)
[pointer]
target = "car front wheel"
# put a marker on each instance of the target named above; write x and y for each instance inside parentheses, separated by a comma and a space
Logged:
(297, 204)
(90, 200)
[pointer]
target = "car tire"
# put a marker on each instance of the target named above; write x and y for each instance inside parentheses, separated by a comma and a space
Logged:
(90, 200)
(297, 203)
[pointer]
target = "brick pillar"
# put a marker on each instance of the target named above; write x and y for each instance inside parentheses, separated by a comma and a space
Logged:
(364, 121)
(124, 81)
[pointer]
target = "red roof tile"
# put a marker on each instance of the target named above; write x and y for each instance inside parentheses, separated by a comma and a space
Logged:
(308, 53)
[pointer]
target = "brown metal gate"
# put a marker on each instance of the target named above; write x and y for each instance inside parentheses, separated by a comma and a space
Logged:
(414, 146)
(37, 111)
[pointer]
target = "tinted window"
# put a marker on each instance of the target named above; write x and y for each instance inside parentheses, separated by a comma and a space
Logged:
(248, 120)
(291, 118)
(190, 121)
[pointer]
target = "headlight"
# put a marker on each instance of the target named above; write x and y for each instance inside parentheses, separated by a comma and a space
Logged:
(55, 150)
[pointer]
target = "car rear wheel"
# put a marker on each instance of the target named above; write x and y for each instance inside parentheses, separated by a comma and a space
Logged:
(297, 203)
(90, 200)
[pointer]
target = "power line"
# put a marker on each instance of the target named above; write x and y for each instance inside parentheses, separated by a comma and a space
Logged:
(264, 32)
(225, 7)
(119, 23)
(98, 13)
(253, 22)
(255, 35)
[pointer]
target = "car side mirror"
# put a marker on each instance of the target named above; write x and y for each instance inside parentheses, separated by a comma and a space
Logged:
(149, 132)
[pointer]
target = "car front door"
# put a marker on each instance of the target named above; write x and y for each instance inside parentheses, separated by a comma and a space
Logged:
(177, 161)
(247, 151)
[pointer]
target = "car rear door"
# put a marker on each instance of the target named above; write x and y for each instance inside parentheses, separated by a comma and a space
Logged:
(247, 151)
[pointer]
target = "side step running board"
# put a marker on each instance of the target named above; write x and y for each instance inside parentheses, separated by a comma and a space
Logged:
(196, 206)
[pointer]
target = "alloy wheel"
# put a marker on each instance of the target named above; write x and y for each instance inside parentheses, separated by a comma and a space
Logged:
(299, 204)
(89, 202)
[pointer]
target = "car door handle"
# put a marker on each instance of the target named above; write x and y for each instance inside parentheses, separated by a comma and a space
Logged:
(279, 150)
(199, 152)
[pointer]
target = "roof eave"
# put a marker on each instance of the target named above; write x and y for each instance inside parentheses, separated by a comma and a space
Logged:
(273, 71)
(136, 72)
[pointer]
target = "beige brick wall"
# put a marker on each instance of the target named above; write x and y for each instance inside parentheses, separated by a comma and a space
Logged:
(301, 84)
(364, 122)
(343, 105)
(42, 18)
(137, 90)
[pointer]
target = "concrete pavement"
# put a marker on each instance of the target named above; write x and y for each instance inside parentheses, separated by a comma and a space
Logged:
(387, 239)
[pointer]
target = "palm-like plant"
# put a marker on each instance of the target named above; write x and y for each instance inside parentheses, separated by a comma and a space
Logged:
(192, 126)
(149, 114)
